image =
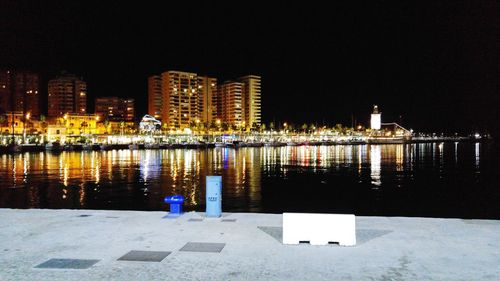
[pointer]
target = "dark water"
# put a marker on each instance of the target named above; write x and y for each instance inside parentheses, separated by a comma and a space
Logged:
(430, 180)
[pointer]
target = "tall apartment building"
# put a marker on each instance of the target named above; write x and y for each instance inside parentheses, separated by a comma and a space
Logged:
(177, 106)
(207, 99)
(67, 94)
(20, 91)
(114, 108)
(251, 102)
(182, 98)
(230, 103)
(155, 97)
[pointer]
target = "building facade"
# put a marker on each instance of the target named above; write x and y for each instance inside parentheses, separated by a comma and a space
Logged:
(230, 103)
(67, 94)
(207, 99)
(184, 99)
(20, 91)
(114, 109)
(155, 98)
(251, 101)
(177, 106)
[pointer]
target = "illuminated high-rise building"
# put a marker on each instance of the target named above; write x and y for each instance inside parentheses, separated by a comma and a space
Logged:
(230, 103)
(251, 102)
(114, 109)
(20, 92)
(67, 94)
(155, 98)
(182, 99)
(207, 98)
(177, 106)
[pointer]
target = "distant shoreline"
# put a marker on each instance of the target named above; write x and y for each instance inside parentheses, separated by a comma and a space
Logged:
(236, 144)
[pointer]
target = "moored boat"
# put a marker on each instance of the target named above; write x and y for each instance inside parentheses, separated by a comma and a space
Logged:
(151, 145)
(53, 146)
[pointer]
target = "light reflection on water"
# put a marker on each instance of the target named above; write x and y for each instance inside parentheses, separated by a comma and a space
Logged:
(140, 179)
(375, 160)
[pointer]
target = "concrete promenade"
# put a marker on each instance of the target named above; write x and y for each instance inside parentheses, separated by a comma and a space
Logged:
(244, 247)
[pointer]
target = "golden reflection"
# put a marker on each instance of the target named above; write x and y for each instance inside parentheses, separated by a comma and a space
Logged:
(26, 165)
(399, 157)
(360, 160)
(183, 171)
(14, 172)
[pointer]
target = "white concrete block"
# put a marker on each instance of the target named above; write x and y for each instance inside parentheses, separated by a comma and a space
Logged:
(319, 229)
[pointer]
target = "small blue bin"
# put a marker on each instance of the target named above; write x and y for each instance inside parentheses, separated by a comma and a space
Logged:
(175, 202)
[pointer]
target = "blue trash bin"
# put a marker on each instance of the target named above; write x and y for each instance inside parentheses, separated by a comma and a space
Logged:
(175, 202)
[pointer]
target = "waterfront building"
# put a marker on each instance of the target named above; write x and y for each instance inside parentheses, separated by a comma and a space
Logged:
(177, 106)
(251, 100)
(78, 124)
(207, 99)
(149, 124)
(67, 95)
(18, 123)
(114, 109)
(155, 98)
(230, 103)
(116, 127)
(184, 99)
(19, 91)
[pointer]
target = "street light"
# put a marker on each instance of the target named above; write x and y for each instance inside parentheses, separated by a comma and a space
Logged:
(26, 119)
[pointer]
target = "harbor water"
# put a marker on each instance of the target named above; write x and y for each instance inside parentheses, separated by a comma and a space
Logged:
(452, 179)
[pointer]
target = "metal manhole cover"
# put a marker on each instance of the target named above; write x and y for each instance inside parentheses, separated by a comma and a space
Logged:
(203, 247)
(67, 263)
(151, 256)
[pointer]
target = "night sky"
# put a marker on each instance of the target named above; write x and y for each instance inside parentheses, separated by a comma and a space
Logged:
(431, 66)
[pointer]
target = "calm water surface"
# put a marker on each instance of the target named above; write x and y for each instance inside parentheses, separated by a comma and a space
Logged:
(430, 180)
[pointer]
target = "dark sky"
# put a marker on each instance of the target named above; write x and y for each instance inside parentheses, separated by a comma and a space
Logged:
(430, 66)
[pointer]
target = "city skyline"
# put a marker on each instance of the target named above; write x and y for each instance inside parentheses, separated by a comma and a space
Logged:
(318, 65)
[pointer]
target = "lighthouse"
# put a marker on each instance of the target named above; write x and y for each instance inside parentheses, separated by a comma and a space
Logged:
(376, 119)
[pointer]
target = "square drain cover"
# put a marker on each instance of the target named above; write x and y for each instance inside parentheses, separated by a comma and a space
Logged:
(195, 219)
(228, 220)
(203, 247)
(153, 256)
(67, 263)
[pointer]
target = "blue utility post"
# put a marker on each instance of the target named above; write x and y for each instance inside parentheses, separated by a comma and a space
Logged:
(214, 196)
